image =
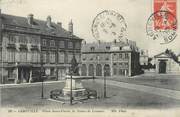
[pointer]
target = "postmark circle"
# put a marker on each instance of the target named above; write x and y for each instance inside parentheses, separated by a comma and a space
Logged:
(108, 25)
(162, 25)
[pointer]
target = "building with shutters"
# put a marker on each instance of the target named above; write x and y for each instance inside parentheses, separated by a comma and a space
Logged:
(110, 59)
(27, 43)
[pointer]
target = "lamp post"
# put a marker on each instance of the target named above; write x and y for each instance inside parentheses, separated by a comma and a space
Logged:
(2, 80)
(71, 88)
(42, 79)
(105, 82)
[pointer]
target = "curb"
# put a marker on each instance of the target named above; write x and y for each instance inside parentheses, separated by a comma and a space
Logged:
(28, 84)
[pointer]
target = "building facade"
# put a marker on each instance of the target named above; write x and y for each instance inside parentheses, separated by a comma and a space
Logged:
(31, 47)
(143, 57)
(165, 64)
(110, 59)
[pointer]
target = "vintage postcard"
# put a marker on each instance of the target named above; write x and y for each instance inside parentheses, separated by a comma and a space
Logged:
(89, 58)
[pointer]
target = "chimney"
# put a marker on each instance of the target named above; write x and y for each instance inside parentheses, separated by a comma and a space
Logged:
(147, 52)
(0, 25)
(30, 19)
(84, 42)
(127, 41)
(115, 41)
(59, 24)
(71, 27)
(48, 20)
(99, 41)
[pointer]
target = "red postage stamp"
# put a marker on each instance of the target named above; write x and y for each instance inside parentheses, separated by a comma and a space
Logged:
(166, 17)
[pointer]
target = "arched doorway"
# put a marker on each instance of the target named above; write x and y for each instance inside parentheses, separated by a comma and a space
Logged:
(162, 66)
(91, 70)
(83, 70)
(107, 70)
(98, 70)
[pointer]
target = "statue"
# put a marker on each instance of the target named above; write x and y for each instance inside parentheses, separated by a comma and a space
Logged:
(74, 70)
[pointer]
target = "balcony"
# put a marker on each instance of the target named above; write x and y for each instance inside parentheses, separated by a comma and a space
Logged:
(23, 46)
(12, 46)
(34, 47)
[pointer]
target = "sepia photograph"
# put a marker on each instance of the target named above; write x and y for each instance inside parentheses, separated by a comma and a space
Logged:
(89, 58)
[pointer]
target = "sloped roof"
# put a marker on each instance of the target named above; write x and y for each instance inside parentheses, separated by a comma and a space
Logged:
(102, 46)
(162, 55)
(166, 55)
(40, 25)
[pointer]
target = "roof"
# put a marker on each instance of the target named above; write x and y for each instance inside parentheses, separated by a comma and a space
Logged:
(166, 55)
(39, 26)
(162, 55)
(105, 46)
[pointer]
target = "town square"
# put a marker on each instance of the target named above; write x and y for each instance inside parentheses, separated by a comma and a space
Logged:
(99, 57)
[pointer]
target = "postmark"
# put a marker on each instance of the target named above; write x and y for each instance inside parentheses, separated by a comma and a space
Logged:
(162, 24)
(109, 25)
(158, 28)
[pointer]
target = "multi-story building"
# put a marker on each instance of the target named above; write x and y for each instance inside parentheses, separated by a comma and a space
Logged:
(110, 59)
(28, 44)
(144, 57)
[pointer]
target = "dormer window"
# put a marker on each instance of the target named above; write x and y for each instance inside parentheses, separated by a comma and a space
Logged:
(92, 48)
(30, 19)
(52, 43)
(107, 47)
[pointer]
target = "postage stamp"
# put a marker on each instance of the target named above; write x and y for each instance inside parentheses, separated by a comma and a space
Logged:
(108, 24)
(162, 24)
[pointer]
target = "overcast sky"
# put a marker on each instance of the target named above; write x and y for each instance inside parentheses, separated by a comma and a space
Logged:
(82, 12)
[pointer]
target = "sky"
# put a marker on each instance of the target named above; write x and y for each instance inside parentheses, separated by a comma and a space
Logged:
(82, 13)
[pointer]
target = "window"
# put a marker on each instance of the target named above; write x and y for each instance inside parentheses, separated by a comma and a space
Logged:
(126, 64)
(11, 55)
(83, 57)
(120, 56)
(107, 47)
(115, 69)
(115, 57)
(44, 55)
(52, 57)
(44, 42)
(92, 48)
(70, 56)
(126, 56)
(61, 57)
(23, 56)
(77, 56)
(35, 57)
(12, 39)
(52, 71)
(120, 64)
(0, 55)
(70, 44)
(52, 43)
(22, 39)
(61, 44)
(77, 45)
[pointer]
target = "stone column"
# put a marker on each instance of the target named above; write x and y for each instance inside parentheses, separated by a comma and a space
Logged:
(30, 76)
(125, 72)
(87, 70)
(16, 80)
(103, 69)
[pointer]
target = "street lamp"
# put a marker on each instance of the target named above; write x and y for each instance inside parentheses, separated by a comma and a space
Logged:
(2, 80)
(105, 82)
(71, 88)
(42, 79)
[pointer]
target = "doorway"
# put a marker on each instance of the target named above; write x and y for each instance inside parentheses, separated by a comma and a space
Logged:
(162, 67)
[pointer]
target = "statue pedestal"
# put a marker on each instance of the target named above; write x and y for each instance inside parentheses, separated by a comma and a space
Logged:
(78, 91)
